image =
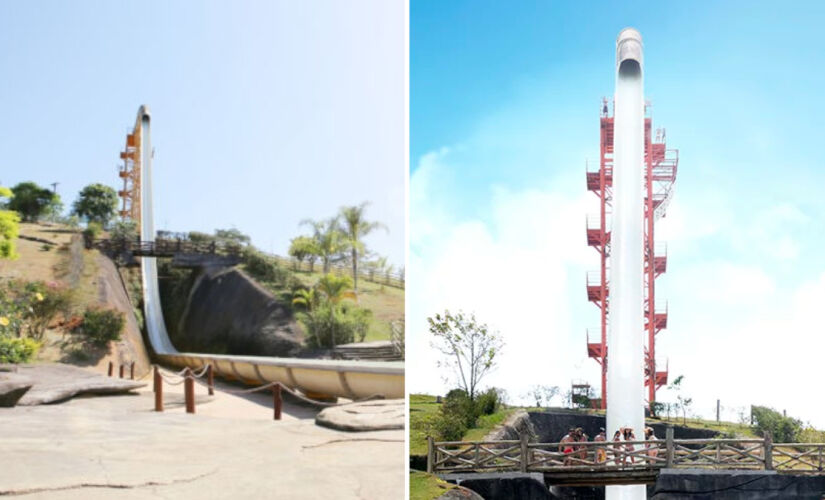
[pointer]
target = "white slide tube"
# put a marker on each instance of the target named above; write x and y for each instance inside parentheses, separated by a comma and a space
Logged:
(625, 339)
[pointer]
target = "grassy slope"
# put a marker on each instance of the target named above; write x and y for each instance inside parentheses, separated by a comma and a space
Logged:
(425, 486)
(423, 412)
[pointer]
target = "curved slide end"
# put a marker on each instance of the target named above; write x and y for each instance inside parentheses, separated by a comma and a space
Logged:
(629, 53)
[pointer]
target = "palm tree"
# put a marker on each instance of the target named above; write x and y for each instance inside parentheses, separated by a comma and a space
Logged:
(305, 297)
(334, 290)
(328, 238)
(356, 227)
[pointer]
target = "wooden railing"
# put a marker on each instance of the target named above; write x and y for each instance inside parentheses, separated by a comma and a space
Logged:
(165, 248)
(630, 456)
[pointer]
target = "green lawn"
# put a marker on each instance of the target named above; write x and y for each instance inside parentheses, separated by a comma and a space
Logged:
(425, 486)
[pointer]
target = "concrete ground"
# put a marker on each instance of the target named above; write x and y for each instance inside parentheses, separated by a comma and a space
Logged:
(117, 447)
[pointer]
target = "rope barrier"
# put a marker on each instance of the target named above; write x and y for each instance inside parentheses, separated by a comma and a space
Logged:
(188, 378)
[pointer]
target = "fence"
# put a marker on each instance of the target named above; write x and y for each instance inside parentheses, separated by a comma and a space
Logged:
(630, 456)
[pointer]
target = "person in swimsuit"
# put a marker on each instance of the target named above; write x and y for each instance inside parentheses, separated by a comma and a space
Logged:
(601, 453)
(652, 448)
(566, 446)
(581, 437)
(617, 438)
(629, 448)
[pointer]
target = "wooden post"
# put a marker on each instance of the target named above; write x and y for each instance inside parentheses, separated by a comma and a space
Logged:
(430, 455)
(524, 452)
(189, 391)
(111, 368)
(210, 379)
(768, 451)
(717, 411)
(276, 401)
(120, 370)
(669, 447)
(158, 390)
(132, 370)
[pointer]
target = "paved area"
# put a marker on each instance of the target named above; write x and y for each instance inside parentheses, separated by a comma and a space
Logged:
(117, 447)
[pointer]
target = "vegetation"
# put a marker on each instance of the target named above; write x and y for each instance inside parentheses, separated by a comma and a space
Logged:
(469, 347)
(425, 486)
(355, 228)
(9, 227)
(96, 203)
(427, 418)
(31, 201)
(123, 230)
(304, 248)
(18, 350)
(329, 240)
(103, 325)
(329, 320)
(782, 429)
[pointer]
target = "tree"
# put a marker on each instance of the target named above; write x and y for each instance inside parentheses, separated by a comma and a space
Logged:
(544, 393)
(232, 239)
(9, 228)
(356, 227)
(470, 348)
(304, 248)
(329, 239)
(305, 297)
(782, 429)
(96, 203)
(31, 201)
(683, 402)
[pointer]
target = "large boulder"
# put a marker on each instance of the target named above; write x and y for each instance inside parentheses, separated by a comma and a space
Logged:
(364, 416)
(53, 383)
(13, 387)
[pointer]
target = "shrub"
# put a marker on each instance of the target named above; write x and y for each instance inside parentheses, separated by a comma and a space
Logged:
(344, 321)
(17, 350)
(92, 231)
(783, 429)
(103, 325)
(262, 267)
(457, 404)
(45, 303)
(488, 402)
(450, 426)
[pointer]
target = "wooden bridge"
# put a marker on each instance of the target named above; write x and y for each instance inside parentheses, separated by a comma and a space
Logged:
(624, 462)
(183, 252)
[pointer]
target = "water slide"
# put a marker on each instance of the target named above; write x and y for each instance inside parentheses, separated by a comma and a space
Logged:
(625, 338)
(347, 379)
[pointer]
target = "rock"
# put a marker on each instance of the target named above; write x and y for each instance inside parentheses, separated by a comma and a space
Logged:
(460, 493)
(12, 388)
(385, 414)
(503, 485)
(53, 383)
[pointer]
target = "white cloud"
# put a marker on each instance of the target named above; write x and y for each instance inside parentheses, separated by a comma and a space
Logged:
(514, 271)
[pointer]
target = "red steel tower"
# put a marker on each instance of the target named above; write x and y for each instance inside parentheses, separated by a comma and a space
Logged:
(660, 174)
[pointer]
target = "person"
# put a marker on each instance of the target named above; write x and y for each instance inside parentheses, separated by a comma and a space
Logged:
(629, 448)
(581, 437)
(601, 453)
(617, 438)
(652, 448)
(565, 445)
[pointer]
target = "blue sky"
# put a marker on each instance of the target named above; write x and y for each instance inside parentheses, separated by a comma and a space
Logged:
(504, 109)
(264, 113)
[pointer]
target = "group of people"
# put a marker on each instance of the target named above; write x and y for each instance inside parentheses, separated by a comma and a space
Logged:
(614, 453)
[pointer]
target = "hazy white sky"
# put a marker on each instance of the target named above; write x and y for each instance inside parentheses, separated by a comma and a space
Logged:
(264, 112)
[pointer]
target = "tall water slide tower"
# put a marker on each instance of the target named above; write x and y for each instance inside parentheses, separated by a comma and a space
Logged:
(660, 174)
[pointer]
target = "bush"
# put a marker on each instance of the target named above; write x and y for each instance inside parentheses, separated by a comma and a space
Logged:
(488, 402)
(457, 404)
(45, 303)
(345, 321)
(262, 267)
(103, 325)
(783, 429)
(450, 426)
(17, 350)
(92, 231)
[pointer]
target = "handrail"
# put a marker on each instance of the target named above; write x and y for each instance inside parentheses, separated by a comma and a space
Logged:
(630, 456)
